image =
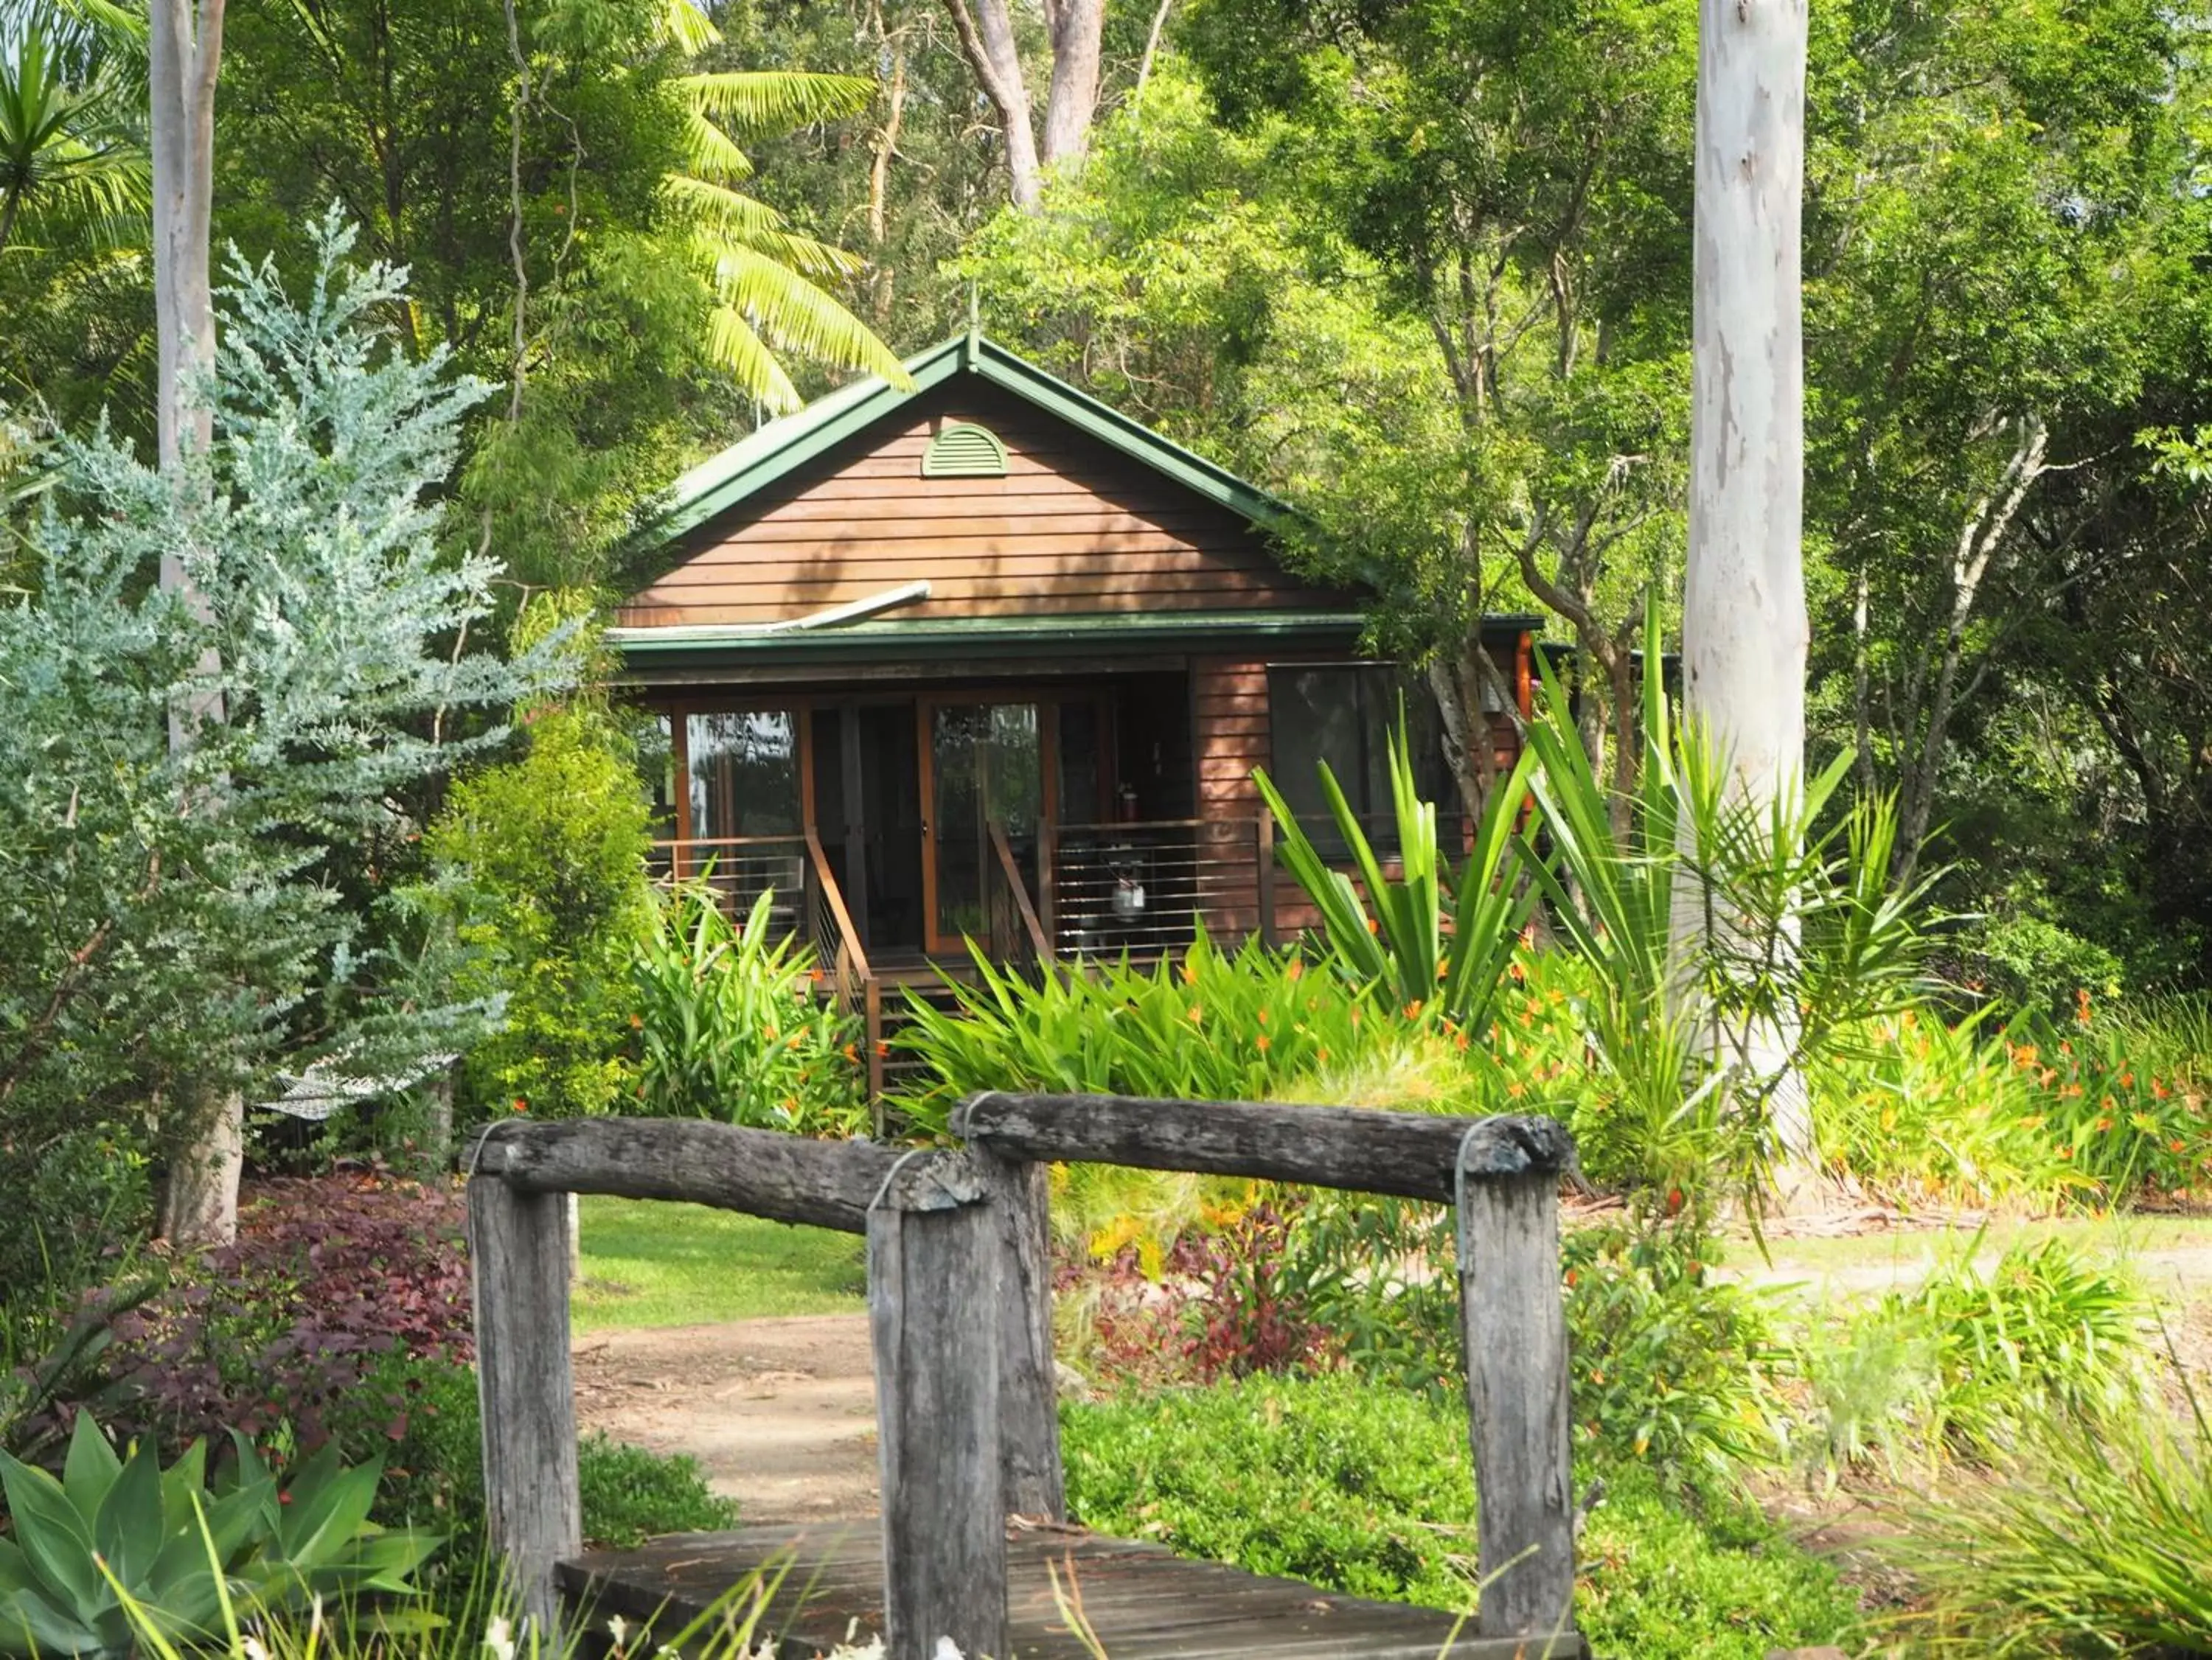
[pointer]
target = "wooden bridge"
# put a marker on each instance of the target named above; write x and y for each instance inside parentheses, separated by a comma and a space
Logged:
(959, 1289)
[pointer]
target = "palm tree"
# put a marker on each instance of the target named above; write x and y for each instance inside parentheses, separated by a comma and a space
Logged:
(766, 279)
(74, 170)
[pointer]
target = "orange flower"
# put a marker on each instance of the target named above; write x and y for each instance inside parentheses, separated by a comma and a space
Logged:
(852, 1052)
(2065, 1151)
(1261, 1043)
(2127, 1080)
(1189, 975)
(882, 1049)
(1414, 1009)
(2178, 1147)
(1297, 967)
(637, 1022)
(1516, 1089)
(521, 1106)
(2103, 1125)
(1373, 926)
(1261, 1015)
(1460, 1040)
(1194, 1013)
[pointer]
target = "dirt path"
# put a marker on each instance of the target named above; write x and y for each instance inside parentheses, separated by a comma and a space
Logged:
(779, 1414)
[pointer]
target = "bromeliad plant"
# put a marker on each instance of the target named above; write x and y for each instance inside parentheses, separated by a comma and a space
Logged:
(1437, 941)
(117, 1537)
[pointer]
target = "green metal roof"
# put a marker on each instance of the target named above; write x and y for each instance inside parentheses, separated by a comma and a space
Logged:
(784, 445)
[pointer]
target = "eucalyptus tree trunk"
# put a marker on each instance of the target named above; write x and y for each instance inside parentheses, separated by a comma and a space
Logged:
(1744, 628)
(206, 1127)
(1076, 30)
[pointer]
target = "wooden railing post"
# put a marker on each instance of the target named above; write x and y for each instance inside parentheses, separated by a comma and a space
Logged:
(519, 1271)
(935, 1287)
(1019, 1192)
(1514, 1324)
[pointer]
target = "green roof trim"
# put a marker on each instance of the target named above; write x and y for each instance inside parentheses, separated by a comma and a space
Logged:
(705, 644)
(783, 446)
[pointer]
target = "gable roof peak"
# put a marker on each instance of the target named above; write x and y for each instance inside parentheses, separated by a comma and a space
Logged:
(782, 446)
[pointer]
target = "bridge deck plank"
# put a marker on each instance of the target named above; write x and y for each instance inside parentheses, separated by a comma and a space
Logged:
(1145, 1602)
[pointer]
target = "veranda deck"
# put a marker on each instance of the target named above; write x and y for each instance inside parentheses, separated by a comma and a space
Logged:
(1144, 1602)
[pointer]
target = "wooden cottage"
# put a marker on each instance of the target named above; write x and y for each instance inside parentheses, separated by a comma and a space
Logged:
(984, 660)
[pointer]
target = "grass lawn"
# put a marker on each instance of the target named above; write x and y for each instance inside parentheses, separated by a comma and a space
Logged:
(649, 1264)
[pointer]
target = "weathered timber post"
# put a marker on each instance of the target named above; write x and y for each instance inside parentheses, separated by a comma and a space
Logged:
(935, 1291)
(518, 1264)
(1018, 1192)
(1515, 1325)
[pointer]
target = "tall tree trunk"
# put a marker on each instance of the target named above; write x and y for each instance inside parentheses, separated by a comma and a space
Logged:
(987, 41)
(1072, 99)
(1744, 628)
(185, 54)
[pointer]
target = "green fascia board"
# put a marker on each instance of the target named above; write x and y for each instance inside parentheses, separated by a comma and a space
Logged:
(704, 645)
(784, 445)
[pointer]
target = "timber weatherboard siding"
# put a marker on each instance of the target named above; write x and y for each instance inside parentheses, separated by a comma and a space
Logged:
(1075, 527)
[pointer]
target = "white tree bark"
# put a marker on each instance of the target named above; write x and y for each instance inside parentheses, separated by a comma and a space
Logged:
(1077, 26)
(1744, 628)
(986, 41)
(1076, 30)
(185, 55)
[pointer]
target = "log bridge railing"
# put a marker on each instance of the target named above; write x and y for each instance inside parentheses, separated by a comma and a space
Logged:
(959, 1289)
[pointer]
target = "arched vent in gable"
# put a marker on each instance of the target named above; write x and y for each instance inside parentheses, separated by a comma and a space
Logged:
(964, 450)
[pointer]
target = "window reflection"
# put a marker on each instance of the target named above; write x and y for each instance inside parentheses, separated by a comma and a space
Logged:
(744, 773)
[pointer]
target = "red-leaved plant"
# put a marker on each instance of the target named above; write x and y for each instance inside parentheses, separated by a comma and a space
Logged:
(332, 1278)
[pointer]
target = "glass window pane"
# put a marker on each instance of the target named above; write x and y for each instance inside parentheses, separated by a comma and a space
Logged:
(744, 775)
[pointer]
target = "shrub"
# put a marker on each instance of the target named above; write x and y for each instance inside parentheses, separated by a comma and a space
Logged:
(2036, 1334)
(1671, 1368)
(1369, 1492)
(730, 1024)
(273, 1333)
(71, 1201)
(542, 868)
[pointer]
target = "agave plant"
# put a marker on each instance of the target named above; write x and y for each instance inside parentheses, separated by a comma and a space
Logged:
(1437, 943)
(119, 1535)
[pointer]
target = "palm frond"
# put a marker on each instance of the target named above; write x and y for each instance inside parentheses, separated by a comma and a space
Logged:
(685, 25)
(785, 307)
(771, 100)
(711, 153)
(742, 223)
(734, 345)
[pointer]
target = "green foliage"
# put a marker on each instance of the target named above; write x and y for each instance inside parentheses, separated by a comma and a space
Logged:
(2040, 1333)
(630, 1494)
(433, 1453)
(1436, 945)
(1368, 1491)
(1796, 940)
(1671, 1366)
(732, 1024)
(544, 863)
(71, 1201)
(115, 1529)
(155, 956)
(2089, 1537)
(1208, 1027)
